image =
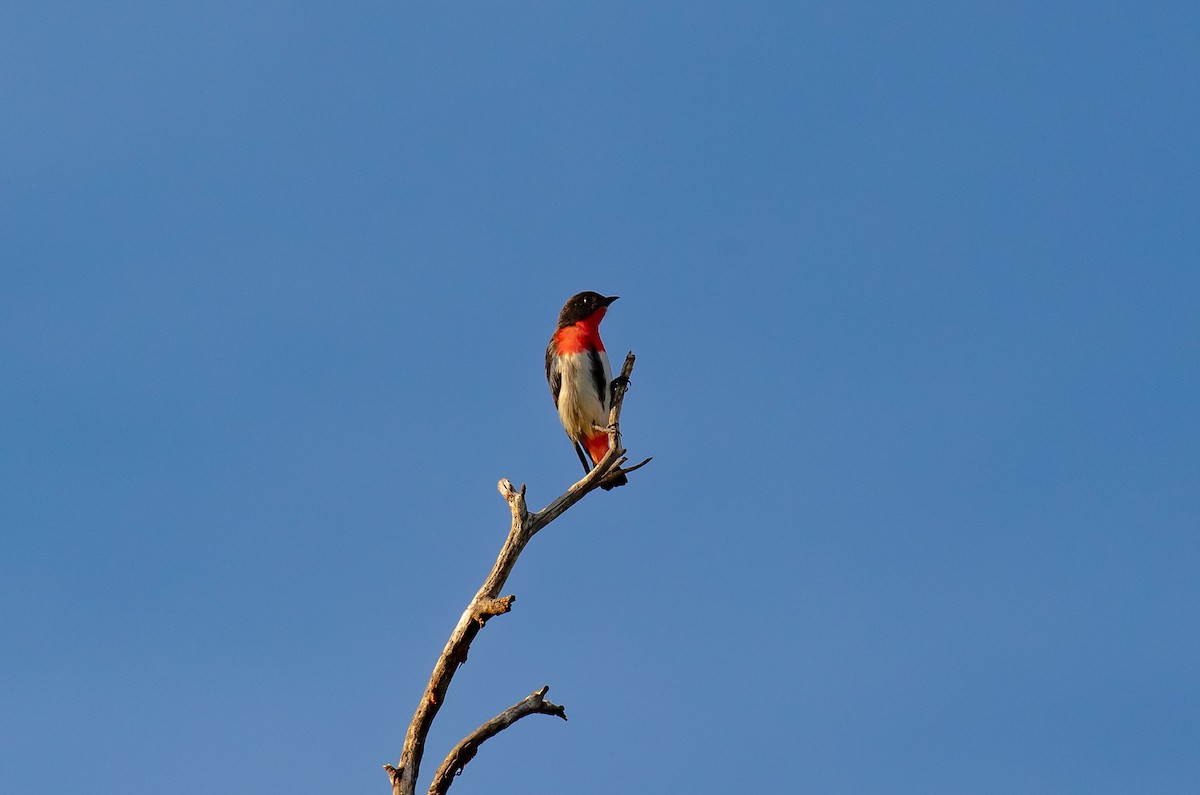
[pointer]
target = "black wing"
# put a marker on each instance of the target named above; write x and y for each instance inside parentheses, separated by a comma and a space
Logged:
(602, 389)
(553, 374)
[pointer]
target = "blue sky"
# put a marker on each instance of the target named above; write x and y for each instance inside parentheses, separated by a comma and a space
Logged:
(915, 294)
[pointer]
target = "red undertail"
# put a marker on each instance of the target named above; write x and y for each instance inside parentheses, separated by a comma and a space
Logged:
(597, 446)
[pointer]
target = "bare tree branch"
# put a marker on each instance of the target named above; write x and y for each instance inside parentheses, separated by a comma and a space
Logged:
(488, 603)
(533, 704)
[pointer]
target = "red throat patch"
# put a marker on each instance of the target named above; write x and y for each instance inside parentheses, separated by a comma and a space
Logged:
(581, 337)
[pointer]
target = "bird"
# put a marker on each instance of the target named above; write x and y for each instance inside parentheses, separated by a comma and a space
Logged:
(580, 378)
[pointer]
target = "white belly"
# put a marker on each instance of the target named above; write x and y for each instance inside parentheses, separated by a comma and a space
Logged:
(579, 406)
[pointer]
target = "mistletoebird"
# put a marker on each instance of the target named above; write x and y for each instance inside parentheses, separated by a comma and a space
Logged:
(581, 379)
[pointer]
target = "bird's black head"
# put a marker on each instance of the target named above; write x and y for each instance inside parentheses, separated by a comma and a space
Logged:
(582, 306)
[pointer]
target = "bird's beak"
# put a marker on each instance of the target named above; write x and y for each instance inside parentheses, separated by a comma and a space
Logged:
(610, 299)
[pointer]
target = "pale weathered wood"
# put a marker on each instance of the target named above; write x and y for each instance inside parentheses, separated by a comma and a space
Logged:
(533, 704)
(488, 603)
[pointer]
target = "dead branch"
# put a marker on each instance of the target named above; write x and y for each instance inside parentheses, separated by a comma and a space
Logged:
(533, 704)
(488, 603)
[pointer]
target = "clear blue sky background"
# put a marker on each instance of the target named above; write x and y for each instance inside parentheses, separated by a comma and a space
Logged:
(915, 291)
